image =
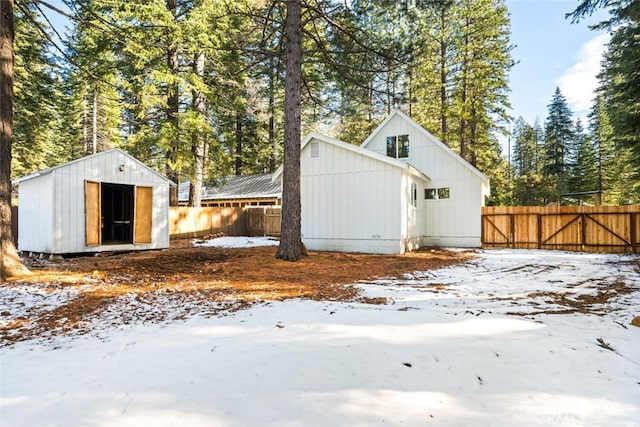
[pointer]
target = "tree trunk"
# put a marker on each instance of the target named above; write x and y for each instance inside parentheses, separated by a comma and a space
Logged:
(272, 121)
(94, 124)
(198, 145)
(85, 132)
(173, 105)
(444, 102)
(10, 262)
(463, 101)
(238, 160)
(290, 248)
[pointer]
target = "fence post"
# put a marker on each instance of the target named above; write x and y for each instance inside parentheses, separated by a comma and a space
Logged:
(583, 230)
(512, 230)
(634, 231)
(539, 231)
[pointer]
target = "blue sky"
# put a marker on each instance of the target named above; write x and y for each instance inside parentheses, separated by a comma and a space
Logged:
(552, 53)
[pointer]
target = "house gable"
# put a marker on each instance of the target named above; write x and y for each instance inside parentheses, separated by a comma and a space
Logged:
(426, 151)
(358, 151)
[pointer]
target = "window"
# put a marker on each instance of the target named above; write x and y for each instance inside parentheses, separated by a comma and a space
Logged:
(391, 146)
(437, 193)
(403, 146)
(315, 150)
(398, 146)
(429, 193)
(414, 195)
(443, 193)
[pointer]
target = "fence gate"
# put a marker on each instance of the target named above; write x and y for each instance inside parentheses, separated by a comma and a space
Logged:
(263, 220)
(574, 228)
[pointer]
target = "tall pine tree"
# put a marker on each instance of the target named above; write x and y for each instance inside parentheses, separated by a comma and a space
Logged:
(559, 136)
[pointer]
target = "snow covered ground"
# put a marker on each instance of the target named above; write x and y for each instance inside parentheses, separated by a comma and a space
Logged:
(236, 242)
(527, 338)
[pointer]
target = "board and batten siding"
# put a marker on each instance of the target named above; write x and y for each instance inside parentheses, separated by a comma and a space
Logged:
(36, 223)
(352, 202)
(450, 222)
(66, 184)
(412, 217)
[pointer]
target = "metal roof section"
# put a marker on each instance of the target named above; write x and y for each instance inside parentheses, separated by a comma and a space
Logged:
(237, 187)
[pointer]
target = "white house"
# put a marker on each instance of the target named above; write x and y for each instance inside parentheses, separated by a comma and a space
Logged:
(108, 201)
(456, 192)
(356, 200)
(401, 189)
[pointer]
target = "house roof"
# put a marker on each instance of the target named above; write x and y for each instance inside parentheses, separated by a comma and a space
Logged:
(82, 159)
(429, 136)
(359, 150)
(237, 187)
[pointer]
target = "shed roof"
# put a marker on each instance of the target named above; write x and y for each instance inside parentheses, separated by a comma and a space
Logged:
(82, 159)
(237, 187)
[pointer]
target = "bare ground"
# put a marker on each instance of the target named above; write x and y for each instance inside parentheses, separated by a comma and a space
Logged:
(83, 294)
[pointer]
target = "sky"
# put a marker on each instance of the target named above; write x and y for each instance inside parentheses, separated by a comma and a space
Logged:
(552, 52)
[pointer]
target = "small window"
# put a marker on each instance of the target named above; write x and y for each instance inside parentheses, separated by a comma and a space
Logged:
(398, 146)
(403, 146)
(414, 195)
(429, 193)
(315, 150)
(443, 193)
(391, 146)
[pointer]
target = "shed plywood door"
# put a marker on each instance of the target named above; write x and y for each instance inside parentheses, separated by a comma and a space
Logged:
(144, 209)
(92, 213)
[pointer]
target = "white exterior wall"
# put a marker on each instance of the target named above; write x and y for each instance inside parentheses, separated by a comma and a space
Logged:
(412, 217)
(350, 202)
(452, 222)
(68, 203)
(35, 215)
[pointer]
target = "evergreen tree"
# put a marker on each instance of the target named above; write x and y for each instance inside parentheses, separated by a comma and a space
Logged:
(36, 91)
(92, 82)
(559, 135)
(527, 184)
(620, 77)
(10, 263)
(584, 169)
(616, 166)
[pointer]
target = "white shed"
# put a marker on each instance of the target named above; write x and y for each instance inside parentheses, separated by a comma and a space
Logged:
(355, 200)
(108, 201)
(457, 190)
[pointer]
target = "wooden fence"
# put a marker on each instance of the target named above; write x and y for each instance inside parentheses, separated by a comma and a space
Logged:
(196, 222)
(572, 228)
(263, 220)
(232, 221)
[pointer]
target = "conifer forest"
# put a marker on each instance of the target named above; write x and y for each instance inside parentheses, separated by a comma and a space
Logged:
(196, 89)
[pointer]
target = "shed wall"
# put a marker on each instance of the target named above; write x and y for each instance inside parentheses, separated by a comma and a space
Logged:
(349, 202)
(36, 222)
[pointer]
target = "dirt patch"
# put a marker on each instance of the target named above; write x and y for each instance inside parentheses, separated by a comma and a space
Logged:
(182, 281)
(574, 302)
